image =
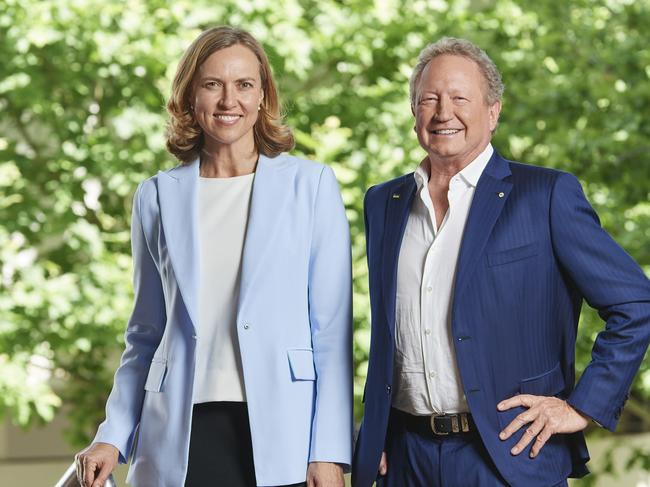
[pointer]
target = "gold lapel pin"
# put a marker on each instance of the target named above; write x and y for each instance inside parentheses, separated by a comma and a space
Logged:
(395, 196)
(501, 194)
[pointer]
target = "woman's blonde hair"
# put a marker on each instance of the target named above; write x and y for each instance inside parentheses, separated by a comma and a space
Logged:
(184, 135)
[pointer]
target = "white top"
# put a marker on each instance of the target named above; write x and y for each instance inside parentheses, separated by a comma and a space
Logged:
(223, 215)
(427, 379)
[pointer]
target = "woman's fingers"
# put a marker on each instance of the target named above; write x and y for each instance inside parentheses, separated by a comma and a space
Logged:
(383, 464)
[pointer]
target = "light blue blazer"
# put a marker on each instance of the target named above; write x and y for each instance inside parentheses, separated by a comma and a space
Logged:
(294, 324)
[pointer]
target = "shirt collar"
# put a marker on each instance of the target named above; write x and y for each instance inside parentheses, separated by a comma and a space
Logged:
(470, 173)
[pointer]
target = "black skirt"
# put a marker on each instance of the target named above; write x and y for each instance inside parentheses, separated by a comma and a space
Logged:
(221, 451)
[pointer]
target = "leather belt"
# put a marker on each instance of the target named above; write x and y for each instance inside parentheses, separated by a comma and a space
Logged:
(437, 424)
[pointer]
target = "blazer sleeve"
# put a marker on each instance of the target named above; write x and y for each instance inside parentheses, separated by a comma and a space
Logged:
(612, 283)
(142, 337)
(330, 314)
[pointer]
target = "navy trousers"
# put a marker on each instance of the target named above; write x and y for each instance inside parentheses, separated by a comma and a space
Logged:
(417, 460)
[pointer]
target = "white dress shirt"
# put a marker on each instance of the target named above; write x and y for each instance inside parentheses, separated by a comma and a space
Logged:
(223, 215)
(427, 379)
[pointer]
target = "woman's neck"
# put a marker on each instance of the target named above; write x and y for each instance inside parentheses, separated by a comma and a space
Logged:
(226, 162)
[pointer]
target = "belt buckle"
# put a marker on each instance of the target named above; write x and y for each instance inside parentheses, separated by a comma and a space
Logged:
(433, 425)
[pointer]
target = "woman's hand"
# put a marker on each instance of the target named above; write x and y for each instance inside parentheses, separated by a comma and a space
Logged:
(95, 464)
(383, 464)
(324, 474)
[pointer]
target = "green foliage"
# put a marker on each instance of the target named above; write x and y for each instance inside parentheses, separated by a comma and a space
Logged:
(82, 89)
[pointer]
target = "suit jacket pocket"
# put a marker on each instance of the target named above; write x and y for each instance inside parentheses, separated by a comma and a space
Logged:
(156, 376)
(301, 363)
(512, 255)
(548, 383)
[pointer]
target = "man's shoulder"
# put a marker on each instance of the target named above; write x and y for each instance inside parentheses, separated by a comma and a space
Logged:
(383, 190)
(533, 180)
(522, 170)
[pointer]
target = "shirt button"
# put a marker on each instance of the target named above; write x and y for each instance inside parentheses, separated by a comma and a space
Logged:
(429, 289)
(432, 375)
(246, 326)
(427, 332)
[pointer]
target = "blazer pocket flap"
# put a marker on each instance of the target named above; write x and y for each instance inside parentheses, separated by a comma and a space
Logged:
(301, 362)
(513, 255)
(549, 383)
(156, 375)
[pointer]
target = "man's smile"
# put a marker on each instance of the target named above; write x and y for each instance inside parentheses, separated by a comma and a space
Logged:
(446, 131)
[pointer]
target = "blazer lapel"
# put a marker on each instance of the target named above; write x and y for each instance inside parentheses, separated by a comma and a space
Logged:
(272, 188)
(178, 194)
(489, 199)
(397, 212)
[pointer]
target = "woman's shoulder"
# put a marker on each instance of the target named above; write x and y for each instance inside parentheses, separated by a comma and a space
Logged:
(304, 168)
(301, 163)
(147, 188)
(308, 177)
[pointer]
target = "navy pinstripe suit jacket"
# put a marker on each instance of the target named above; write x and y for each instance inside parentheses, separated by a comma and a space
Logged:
(532, 250)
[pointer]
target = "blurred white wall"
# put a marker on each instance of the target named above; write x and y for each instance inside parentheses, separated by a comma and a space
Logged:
(37, 457)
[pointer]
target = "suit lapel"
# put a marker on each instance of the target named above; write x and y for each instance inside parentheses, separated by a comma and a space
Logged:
(489, 199)
(178, 194)
(272, 189)
(397, 212)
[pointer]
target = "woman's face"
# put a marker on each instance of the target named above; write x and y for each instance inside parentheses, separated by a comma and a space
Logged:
(227, 96)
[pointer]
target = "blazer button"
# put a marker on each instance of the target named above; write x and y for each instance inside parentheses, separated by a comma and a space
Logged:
(388, 388)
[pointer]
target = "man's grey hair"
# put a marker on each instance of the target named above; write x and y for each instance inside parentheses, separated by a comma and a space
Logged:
(459, 47)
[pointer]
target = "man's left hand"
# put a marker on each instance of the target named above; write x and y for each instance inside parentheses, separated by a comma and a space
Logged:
(324, 474)
(545, 417)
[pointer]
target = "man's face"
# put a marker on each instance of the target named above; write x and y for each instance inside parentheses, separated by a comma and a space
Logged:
(453, 120)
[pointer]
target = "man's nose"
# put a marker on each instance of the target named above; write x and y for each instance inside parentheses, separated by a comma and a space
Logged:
(443, 109)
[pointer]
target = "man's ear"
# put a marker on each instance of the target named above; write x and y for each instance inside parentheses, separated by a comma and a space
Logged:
(494, 112)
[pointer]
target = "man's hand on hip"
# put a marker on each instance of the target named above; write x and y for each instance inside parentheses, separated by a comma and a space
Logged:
(324, 474)
(545, 417)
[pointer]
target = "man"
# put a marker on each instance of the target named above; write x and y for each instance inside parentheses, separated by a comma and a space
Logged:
(478, 267)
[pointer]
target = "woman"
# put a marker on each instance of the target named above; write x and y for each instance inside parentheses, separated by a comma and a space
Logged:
(237, 367)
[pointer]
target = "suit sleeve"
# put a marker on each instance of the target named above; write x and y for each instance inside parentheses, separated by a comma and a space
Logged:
(143, 334)
(330, 314)
(612, 283)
